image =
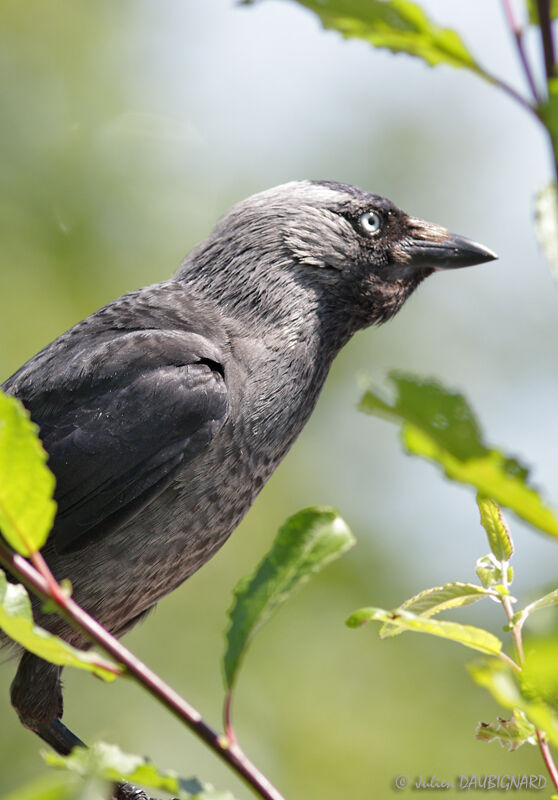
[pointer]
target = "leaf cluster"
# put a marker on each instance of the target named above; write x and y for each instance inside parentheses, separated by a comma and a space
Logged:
(439, 425)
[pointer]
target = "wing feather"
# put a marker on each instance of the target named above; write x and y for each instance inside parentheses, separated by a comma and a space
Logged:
(118, 436)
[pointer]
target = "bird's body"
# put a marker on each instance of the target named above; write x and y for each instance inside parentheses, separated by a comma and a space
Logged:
(165, 412)
(121, 575)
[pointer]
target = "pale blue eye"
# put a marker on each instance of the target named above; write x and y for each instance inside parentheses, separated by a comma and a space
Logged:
(370, 222)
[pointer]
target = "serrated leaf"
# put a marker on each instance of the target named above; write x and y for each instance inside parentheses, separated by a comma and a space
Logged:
(440, 598)
(496, 529)
(510, 733)
(534, 11)
(547, 601)
(305, 544)
(439, 425)
(398, 25)
(26, 484)
(110, 763)
(16, 620)
(497, 678)
(467, 635)
(546, 204)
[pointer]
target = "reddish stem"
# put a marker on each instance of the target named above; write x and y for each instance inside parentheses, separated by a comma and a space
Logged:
(515, 628)
(165, 694)
(53, 586)
(517, 35)
(547, 757)
(227, 717)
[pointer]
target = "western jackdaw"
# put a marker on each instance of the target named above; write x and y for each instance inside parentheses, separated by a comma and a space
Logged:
(165, 412)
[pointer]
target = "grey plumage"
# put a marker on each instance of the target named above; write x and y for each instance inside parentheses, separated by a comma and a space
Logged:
(165, 412)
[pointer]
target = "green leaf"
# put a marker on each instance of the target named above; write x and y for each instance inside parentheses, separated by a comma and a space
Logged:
(16, 620)
(434, 601)
(26, 484)
(306, 543)
(490, 574)
(399, 25)
(546, 206)
(510, 733)
(439, 425)
(548, 600)
(468, 635)
(534, 11)
(496, 529)
(444, 416)
(495, 676)
(109, 762)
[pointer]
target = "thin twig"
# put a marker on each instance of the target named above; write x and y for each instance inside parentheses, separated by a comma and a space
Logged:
(230, 732)
(43, 569)
(545, 25)
(518, 38)
(547, 757)
(509, 661)
(518, 639)
(513, 93)
(177, 705)
(508, 608)
(515, 629)
(549, 55)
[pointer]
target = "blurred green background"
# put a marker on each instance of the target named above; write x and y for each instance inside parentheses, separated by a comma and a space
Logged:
(127, 128)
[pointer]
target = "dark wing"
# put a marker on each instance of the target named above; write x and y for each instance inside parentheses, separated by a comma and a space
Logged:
(119, 421)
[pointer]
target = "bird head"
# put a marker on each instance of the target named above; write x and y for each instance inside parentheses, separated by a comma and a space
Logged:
(347, 254)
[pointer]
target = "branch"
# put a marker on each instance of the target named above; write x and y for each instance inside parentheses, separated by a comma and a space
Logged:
(515, 629)
(547, 757)
(229, 728)
(517, 35)
(518, 639)
(545, 24)
(513, 93)
(229, 752)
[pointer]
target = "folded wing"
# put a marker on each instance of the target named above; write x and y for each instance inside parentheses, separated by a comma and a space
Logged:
(119, 420)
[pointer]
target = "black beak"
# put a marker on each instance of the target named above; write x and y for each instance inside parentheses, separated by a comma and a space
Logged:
(433, 247)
